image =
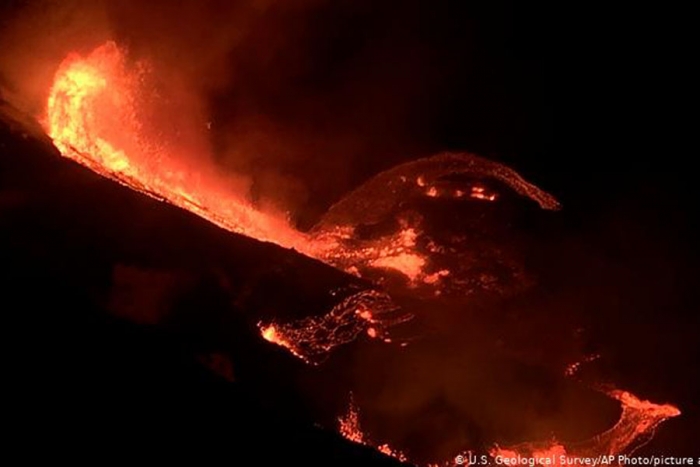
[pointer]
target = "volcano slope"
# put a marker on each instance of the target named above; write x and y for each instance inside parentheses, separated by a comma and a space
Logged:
(133, 323)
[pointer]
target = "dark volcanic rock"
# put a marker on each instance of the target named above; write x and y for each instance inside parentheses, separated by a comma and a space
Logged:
(89, 267)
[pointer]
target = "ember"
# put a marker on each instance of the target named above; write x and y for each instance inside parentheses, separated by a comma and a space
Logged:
(349, 427)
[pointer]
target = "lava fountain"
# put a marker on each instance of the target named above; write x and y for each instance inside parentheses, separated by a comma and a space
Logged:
(93, 118)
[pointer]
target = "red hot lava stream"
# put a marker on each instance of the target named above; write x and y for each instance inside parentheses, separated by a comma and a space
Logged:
(93, 118)
(92, 107)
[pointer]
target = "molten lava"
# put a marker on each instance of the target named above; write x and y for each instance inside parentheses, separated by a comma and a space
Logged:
(637, 423)
(93, 116)
(349, 428)
(312, 338)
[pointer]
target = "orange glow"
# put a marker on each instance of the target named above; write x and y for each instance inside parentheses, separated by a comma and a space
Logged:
(397, 252)
(349, 428)
(435, 277)
(364, 314)
(573, 368)
(637, 423)
(479, 192)
(476, 192)
(313, 337)
(270, 334)
(409, 264)
(93, 116)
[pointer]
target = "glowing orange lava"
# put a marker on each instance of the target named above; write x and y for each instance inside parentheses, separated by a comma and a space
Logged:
(270, 334)
(638, 420)
(93, 118)
(313, 337)
(349, 428)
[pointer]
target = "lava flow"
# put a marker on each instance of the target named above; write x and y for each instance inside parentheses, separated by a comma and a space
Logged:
(636, 426)
(93, 117)
(312, 338)
(349, 427)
